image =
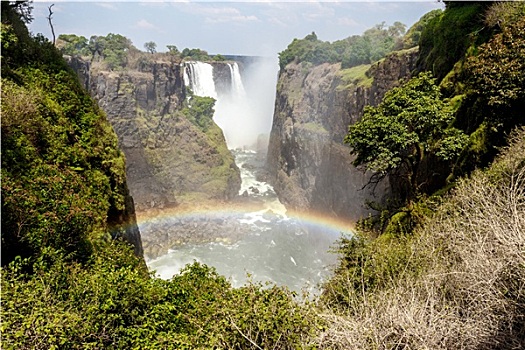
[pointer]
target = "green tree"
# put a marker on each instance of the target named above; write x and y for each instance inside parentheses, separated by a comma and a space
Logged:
(172, 49)
(496, 75)
(71, 44)
(195, 54)
(200, 111)
(150, 47)
(111, 48)
(413, 34)
(411, 123)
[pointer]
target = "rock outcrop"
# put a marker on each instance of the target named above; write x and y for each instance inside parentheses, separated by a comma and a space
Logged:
(310, 167)
(170, 160)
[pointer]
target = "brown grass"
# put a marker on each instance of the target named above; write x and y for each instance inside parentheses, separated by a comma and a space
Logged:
(472, 295)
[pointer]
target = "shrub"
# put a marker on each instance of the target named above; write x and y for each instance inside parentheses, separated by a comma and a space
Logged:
(468, 293)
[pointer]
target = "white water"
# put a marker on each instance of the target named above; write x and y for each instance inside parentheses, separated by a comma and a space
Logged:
(275, 248)
(238, 91)
(246, 110)
(198, 76)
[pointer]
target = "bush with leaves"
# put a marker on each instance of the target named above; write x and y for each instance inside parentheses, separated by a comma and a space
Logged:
(447, 37)
(456, 283)
(409, 127)
(373, 45)
(195, 54)
(200, 110)
(112, 303)
(73, 45)
(63, 176)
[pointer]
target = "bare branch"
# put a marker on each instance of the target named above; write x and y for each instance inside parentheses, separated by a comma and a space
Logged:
(49, 18)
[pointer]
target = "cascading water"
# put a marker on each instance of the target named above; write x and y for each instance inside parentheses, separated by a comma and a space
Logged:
(237, 85)
(272, 245)
(198, 76)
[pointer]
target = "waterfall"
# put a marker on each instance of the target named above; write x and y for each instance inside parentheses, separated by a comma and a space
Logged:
(237, 85)
(198, 76)
(244, 105)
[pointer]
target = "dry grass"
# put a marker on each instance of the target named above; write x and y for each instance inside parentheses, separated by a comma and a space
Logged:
(472, 295)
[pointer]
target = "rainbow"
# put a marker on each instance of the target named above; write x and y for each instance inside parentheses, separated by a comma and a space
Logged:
(232, 210)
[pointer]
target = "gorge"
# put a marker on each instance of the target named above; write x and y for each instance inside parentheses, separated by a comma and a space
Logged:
(239, 227)
(207, 197)
(241, 197)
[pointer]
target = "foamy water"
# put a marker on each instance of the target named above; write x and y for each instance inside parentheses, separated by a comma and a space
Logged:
(278, 247)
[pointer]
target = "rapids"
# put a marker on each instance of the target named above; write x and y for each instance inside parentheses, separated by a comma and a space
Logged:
(286, 250)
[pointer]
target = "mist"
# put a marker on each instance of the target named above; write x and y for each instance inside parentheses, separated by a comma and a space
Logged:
(246, 113)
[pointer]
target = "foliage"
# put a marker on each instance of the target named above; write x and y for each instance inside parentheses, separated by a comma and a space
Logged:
(195, 54)
(365, 266)
(23, 8)
(219, 58)
(409, 125)
(504, 14)
(73, 45)
(113, 304)
(455, 284)
(489, 93)
(413, 34)
(172, 49)
(150, 47)
(111, 48)
(309, 49)
(200, 111)
(447, 37)
(63, 176)
(495, 76)
(374, 44)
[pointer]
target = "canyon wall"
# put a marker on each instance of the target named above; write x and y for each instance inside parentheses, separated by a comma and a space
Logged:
(170, 160)
(310, 167)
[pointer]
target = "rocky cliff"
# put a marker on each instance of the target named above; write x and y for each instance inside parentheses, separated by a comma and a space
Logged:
(170, 160)
(309, 165)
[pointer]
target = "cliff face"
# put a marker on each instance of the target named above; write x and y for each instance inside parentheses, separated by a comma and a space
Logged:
(170, 160)
(309, 165)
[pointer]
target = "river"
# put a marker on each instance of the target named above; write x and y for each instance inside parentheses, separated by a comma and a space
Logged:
(275, 247)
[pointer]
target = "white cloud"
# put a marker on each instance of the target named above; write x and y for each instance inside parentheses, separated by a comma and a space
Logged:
(315, 11)
(348, 22)
(216, 14)
(107, 5)
(145, 24)
(231, 19)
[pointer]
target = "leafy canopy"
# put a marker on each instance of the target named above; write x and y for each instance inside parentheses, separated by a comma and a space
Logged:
(150, 46)
(411, 122)
(373, 45)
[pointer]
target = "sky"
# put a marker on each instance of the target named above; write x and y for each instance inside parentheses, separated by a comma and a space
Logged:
(259, 28)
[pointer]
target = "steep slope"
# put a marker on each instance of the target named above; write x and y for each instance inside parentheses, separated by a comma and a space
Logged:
(63, 175)
(456, 283)
(309, 165)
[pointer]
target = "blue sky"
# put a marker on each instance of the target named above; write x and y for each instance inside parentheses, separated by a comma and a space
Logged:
(243, 28)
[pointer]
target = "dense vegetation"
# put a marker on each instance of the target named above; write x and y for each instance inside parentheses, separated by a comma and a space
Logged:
(410, 126)
(63, 177)
(355, 50)
(423, 136)
(455, 282)
(432, 270)
(117, 51)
